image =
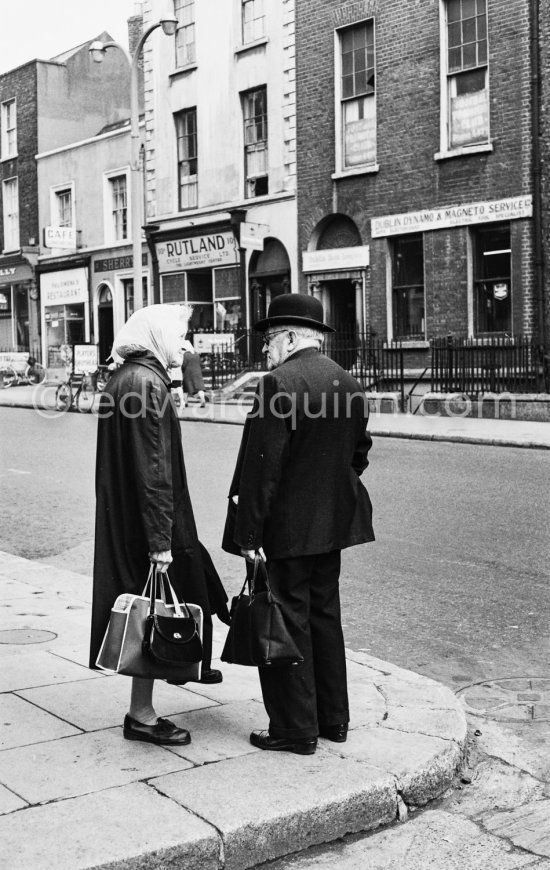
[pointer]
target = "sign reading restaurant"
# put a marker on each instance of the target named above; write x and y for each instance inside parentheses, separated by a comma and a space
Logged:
(214, 249)
(453, 216)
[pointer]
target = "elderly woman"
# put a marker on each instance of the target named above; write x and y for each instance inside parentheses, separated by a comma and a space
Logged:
(144, 513)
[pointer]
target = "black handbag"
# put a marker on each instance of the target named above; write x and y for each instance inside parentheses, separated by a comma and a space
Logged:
(258, 634)
(171, 640)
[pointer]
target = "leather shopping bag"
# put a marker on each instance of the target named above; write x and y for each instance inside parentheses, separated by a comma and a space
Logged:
(258, 634)
(174, 639)
(122, 648)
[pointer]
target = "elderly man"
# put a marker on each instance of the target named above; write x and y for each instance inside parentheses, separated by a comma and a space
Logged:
(296, 496)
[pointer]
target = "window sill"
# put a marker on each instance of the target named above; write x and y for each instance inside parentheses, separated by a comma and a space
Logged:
(10, 157)
(361, 170)
(250, 46)
(484, 148)
(183, 71)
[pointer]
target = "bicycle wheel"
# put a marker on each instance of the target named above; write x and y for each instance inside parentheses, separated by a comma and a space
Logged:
(36, 374)
(63, 397)
(84, 399)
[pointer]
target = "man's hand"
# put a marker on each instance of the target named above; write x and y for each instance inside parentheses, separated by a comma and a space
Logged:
(250, 555)
(162, 560)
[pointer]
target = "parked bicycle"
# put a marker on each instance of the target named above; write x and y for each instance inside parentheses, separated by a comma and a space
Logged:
(80, 390)
(29, 372)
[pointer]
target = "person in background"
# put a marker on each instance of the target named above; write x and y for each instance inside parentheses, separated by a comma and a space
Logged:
(193, 382)
(297, 496)
(143, 506)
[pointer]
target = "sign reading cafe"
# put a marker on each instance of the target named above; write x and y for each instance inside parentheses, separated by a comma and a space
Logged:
(214, 249)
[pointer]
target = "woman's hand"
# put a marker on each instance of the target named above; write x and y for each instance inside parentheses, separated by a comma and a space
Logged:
(162, 560)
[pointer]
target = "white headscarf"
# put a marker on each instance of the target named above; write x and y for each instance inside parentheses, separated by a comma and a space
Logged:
(159, 329)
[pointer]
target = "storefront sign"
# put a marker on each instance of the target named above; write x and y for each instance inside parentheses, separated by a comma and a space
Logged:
(215, 249)
(15, 274)
(64, 288)
(117, 264)
(214, 342)
(60, 237)
(85, 358)
(333, 259)
(454, 216)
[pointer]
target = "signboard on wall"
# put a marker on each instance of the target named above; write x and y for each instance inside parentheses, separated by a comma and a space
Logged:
(64, 288)
(196, 252)
(453, 216)
(60, 237)
(214, 342)
(85, 358)
(332, 259)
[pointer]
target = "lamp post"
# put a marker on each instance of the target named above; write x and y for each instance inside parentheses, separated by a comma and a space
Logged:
(98, 49)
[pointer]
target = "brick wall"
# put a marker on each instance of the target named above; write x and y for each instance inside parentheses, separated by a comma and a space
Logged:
(408, 137)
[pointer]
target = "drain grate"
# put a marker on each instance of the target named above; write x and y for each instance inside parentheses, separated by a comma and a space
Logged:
(508, 699)
(26, 635)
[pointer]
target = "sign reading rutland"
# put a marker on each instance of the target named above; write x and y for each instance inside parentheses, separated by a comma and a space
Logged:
(195, 252)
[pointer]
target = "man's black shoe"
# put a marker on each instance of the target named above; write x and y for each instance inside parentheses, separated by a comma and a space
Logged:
(336, 733)
(164, 733)
(299, 745)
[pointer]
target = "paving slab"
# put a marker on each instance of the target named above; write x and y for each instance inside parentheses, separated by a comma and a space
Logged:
(23, 724)
(97, 830)
(40, 669)
(82, 764)
(527, 827)
(10, 801)
(269, 804)
(220, 732)
(104, 703)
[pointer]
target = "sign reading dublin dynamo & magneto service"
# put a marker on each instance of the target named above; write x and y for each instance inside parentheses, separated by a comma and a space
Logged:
(509, 209)
(214, 249)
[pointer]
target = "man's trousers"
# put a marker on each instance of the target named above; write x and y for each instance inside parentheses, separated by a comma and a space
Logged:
(300, 699)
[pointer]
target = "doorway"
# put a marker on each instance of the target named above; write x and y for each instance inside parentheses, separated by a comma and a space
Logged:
(105, 324)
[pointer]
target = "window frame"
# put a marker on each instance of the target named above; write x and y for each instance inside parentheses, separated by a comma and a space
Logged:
(393, 332)
(55, 211)
(185, 52)
(6, 130)
(475, 234)
(108, 202)
(369, 165)
(245, 6)
(192, 180)
(250, 148)
(449, 80)
(12, 236)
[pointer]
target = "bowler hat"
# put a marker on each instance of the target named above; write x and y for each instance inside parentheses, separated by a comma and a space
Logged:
(294, 308)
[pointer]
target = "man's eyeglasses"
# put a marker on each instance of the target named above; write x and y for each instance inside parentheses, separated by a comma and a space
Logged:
(269, 338)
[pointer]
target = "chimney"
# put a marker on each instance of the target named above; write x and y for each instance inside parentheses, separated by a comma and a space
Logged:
(135, 28)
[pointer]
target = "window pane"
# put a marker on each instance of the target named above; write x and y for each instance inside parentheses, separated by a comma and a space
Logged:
(347, 63)
(455, 59)
(470, 82)
(469, 30)
(360, 83)
(481, 7)
(453, 10)
(469, 56)
(455, 34)
(359, 133)
(357, 59)
(468, 8)
(347, 86)
(482, 52)
(408, 261)
(360, 59)
(481, 26)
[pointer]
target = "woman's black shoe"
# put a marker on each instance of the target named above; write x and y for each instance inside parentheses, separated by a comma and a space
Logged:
(163, 733)
(209, 676)
(300, 746)
(336, 733)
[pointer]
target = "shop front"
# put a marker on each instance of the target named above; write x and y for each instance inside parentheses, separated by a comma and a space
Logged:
(65, 310)
(113, 295)
(19, 326)
(203, 270)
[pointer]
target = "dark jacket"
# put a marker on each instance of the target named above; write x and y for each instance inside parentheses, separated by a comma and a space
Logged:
(143, 503)
(303, 449)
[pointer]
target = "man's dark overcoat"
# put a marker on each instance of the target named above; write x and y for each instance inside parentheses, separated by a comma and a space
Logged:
(303, 449)
(143, 503)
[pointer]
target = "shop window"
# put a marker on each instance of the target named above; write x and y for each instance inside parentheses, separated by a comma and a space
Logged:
(8, 121)
(173, 287)
(185, 33)
(227, 299)
(255, 142)
(253, 20)
(10, 192)
(408, 287)
(492, 279)
(128, 284)
(65, 327)
(467, 85)
(357, 120)
(186, 133)
(117, 211)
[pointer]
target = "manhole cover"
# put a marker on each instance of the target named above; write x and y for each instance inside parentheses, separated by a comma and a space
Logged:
(26, 635)
(508, 699)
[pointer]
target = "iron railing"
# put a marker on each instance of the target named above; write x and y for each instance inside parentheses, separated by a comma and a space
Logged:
(493, 364)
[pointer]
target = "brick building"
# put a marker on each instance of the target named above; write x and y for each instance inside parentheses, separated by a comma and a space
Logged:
(416, 167)
(45, 104)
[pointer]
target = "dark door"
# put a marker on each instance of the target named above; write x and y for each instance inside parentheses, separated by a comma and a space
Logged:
(106, 331)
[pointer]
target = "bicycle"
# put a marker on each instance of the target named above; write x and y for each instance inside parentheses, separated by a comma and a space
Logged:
(80, 390)
(32, 374)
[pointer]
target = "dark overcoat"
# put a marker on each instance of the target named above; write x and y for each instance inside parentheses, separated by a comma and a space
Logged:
(303, 449)
(142, 499)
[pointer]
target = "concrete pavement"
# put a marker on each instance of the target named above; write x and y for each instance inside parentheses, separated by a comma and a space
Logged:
(74, 794)
(469, 430)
